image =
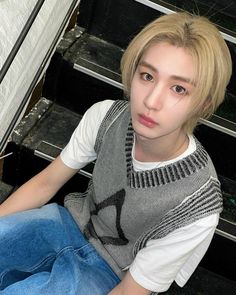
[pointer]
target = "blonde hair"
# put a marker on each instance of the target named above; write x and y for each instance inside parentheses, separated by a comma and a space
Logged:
(211, 57)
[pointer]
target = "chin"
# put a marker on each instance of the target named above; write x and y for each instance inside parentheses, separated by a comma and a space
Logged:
(145, 134)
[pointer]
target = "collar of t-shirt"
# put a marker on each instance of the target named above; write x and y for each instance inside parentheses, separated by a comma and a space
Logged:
(141, 166)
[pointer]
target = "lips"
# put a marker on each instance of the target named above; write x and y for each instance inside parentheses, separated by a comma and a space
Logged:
(146, 121)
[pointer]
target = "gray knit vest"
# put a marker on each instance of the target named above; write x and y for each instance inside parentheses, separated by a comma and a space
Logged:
(123, 209)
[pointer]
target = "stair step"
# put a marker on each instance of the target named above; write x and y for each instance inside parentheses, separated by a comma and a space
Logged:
(97, 58)
(100, 60)
(5, 191)
(49, 135)
(218, 10)
(204, 282)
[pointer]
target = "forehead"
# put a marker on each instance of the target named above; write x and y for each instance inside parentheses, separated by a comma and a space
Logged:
(170, 60)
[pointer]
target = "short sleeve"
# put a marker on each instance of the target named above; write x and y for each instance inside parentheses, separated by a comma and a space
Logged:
(174, 257)
(80, 149)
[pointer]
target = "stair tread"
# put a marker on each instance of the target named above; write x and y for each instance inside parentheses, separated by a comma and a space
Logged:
(97, 55)
(204, 282)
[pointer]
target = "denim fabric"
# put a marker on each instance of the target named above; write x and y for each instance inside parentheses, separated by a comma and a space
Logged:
(42, 251)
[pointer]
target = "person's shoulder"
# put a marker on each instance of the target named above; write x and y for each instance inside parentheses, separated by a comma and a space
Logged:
(101, 106)
(116, 108)
(108, 110)
(106, 107)
(96, 112)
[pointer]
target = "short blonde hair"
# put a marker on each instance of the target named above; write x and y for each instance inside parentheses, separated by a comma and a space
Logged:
(211, 57)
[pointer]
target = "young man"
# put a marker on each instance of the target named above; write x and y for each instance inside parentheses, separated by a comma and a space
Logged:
(154, 201)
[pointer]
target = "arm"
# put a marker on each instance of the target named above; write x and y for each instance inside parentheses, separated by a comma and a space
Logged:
(173, 257)
(79, 151)
(128, 286)
(39, 189)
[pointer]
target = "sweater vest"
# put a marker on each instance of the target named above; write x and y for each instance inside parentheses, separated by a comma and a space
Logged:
(123, 209)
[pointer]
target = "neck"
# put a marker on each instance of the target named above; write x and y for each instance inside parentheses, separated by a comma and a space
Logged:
(160, 150)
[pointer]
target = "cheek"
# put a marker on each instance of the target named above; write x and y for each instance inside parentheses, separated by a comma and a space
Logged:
(180, 112)
(137, 93)
(182, 116)
(183, 108)
(134, 94)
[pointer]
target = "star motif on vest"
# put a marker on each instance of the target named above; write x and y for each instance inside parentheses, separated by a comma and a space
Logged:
(116, 200)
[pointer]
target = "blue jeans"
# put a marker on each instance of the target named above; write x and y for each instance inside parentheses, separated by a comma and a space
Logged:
(42, 251)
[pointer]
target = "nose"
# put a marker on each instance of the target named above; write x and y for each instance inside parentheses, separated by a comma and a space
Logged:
(154, 98)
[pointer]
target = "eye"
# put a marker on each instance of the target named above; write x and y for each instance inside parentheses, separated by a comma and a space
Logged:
(146, 77)
(179, 89)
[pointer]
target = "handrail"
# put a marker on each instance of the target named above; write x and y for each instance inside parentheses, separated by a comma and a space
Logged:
(20, 39)
(36, 78)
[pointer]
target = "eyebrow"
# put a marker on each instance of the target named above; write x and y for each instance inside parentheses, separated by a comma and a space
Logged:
(175, 77)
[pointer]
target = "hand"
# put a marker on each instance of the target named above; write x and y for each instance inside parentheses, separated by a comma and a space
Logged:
(128, 286)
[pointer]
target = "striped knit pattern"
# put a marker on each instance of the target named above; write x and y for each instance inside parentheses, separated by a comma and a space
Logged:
(128, 149)
(190, 184)
(166, 174)
(155, 177)
(115, 110)
(206, 201)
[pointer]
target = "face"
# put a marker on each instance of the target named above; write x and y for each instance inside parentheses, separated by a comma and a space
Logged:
(161, 92)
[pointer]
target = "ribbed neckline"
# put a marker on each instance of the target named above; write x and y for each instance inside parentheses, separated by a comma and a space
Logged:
(162, 175)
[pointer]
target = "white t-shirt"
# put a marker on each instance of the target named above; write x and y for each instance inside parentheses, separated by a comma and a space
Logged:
(162, 261)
